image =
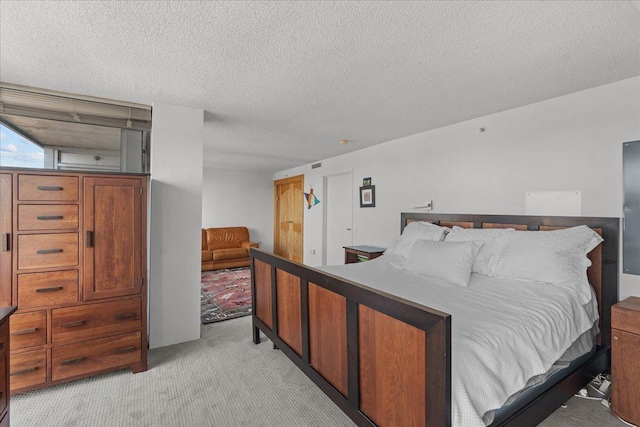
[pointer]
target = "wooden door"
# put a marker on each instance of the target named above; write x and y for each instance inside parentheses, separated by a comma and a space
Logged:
(6, 241)
(289, 212)
(113, 222)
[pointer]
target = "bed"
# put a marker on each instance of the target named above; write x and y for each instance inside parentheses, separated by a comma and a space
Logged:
(387, 360)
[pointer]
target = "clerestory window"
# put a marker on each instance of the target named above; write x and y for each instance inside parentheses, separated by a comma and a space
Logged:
(16, 150)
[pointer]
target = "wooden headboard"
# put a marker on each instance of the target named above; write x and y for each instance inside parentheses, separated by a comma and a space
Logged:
(603, 273)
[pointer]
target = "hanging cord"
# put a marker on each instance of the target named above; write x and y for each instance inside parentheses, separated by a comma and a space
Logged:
(603, 396)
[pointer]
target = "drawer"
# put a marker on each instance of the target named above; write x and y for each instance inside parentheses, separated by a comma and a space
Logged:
(625, 315)
(28, 329)
(95, 355)
(47, 250)
(48, 187)
(95, 320)
(47, 217)
(51, 288)
(28, 369)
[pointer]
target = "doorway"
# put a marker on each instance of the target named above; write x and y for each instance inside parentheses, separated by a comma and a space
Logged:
(338, 213)
(288, 217)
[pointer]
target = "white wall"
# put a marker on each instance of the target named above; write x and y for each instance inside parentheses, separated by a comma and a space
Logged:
(572, 142)
(239, 198)
(175, 218)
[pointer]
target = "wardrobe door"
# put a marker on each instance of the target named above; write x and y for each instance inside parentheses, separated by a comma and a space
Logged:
(113, 216)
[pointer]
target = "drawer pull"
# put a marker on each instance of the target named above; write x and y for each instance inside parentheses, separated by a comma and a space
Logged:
(1, 394)
(72, 361)
(6, 242)
(89, 239)
(125, 316)
(72, 324)
(1, 345)
(48, 217)
(125, 350)
(49, 188)
(24, 331)
(615, 338)
(51, 289)
(49, 251)
(24, 371)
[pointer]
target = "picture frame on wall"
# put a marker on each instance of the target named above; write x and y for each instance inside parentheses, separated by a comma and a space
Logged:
(366, 182)
(368, 196)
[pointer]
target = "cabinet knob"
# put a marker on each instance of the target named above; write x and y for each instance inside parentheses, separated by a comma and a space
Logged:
(615, 338)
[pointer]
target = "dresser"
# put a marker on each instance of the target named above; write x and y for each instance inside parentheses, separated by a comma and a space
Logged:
(625, 359)
(5, 312)
(74, 262)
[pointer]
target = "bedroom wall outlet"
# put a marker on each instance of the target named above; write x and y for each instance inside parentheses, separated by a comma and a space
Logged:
(313, 251)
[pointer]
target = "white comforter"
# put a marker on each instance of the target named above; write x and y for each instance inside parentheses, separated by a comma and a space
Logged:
(504, 332)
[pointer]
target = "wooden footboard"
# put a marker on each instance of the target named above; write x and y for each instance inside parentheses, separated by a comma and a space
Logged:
(372, 353)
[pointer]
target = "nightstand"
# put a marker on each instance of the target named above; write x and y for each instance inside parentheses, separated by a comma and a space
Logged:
(361, 253)
(625, 359)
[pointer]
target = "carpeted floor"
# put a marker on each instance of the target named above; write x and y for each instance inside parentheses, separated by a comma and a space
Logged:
(222, 379)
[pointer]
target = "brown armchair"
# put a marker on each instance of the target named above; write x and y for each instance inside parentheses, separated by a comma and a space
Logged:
(225, 247)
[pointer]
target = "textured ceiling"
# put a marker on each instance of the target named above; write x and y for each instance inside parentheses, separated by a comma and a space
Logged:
(282, 82)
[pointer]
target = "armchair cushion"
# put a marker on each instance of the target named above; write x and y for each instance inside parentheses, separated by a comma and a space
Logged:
(220, 254)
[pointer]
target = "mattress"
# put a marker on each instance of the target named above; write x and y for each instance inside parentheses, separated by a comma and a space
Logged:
(505, 334)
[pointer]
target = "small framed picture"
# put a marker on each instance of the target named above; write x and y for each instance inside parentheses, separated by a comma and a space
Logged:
(368, 196)
(366, 182)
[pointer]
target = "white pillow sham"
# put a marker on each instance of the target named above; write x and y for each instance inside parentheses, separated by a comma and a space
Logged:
(416, 231)
(555, 257)
(492, 240)
(451, 262)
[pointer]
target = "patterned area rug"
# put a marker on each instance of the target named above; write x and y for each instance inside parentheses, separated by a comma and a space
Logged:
(225, 294)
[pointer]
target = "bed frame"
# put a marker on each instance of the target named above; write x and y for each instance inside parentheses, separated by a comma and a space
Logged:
(386, 361)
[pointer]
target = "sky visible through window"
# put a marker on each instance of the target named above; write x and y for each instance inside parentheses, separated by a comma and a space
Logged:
(18, 151)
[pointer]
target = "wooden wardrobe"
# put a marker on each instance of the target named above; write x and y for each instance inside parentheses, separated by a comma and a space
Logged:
(73, 259)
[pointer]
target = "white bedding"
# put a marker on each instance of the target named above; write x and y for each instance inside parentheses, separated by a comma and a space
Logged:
(504, 331)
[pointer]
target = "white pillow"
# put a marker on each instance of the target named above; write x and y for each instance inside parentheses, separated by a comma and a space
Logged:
(416, 231)
(555, 257)
(441, 260)
(492, 239)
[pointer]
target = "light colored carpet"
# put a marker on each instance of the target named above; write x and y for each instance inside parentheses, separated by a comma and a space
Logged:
(221, 380)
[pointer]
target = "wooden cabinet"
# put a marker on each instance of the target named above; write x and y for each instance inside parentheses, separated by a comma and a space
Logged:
(6, 237)
(625, 359)
(74, 263)
(113, 233)
(5, 313)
